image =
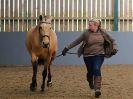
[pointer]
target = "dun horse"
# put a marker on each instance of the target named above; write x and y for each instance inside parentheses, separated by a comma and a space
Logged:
(41, 43)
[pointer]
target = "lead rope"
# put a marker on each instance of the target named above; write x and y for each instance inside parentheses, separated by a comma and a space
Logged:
(67, 53)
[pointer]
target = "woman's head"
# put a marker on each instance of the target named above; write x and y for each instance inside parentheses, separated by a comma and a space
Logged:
(94, 24)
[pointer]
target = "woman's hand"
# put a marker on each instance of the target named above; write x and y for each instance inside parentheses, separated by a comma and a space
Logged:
(64, 51)
(114, 51)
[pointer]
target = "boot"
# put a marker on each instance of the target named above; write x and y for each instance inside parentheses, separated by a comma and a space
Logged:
(91, 85)
(97, 85)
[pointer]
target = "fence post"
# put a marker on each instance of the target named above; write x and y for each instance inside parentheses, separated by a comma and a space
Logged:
(115, 15)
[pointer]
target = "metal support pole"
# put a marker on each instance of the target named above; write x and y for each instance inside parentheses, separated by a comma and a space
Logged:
(115, 15)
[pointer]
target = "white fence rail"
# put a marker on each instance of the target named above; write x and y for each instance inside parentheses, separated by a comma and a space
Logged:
(69, 15)
(125, 15)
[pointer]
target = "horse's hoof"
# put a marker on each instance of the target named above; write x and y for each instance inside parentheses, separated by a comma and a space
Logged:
(33, 87)
(49, 84)
(42, 90)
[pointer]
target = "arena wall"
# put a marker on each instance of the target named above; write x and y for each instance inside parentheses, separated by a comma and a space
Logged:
(13, 51)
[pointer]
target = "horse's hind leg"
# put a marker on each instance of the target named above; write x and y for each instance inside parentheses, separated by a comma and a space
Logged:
(33, 85)
(44, 74)
(49, 81)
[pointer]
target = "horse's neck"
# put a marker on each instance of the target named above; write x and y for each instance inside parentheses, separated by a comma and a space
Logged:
(53, 37)
(36, 34)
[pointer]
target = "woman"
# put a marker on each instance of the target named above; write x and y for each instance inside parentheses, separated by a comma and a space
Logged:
(93, 50)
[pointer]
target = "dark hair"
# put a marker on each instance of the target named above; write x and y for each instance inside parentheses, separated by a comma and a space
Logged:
(99, 24)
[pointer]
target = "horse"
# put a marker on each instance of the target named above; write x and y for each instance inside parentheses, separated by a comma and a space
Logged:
(41, 43)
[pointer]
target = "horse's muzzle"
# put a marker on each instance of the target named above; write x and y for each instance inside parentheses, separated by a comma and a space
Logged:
(45, 45)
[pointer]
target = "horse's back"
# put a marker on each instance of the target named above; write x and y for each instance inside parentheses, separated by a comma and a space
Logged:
(54, 42)
(28, 40)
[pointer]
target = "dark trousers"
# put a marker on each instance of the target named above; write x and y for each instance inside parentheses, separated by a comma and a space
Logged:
(93, 65)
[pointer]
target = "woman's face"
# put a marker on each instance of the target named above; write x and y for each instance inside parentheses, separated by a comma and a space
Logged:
(92, 26)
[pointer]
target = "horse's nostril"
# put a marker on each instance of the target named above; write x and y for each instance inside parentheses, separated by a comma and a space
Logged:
(45, 45)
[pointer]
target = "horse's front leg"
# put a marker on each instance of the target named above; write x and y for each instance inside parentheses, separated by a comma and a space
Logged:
(33, 85)
(44, 74)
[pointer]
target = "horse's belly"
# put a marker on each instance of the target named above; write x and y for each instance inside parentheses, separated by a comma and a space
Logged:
(41, 53)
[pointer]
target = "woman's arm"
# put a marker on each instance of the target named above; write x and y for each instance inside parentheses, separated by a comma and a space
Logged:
(76, 41)
(110, 37)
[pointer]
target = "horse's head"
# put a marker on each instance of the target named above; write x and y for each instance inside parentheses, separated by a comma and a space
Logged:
(45, 30)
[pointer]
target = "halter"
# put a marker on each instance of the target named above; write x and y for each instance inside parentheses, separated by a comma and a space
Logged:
(45, 22)
(42, 36)
(45, 36)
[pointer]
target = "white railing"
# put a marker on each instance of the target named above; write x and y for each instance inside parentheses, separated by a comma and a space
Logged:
(69, 15)
(125, 14)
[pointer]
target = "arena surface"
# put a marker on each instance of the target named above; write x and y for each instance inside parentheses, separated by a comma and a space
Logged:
(69, 82)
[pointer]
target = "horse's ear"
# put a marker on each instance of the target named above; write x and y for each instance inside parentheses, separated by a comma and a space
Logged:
(40, 18)
(51, 18)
